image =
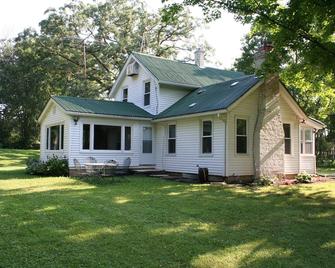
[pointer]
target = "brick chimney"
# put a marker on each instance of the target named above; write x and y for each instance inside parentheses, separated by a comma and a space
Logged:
(199, 57)
(260, 55)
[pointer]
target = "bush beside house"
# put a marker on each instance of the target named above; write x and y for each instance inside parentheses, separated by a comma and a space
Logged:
(54, 166)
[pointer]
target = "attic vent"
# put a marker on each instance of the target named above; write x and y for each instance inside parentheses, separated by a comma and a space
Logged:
(192, 105)
(201, 91)
(234, 84)
(132, 69)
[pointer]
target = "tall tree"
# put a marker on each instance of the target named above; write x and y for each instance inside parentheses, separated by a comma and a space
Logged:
(90, 42)
(79, 51)
(296, 27)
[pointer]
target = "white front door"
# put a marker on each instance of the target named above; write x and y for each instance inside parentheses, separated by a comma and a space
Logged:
(147, 156)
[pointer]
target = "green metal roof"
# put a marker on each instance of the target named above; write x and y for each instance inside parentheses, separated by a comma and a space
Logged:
(210, 98)
(102, 107)
(177, 72)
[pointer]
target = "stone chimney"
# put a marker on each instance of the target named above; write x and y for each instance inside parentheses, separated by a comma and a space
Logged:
(199, 57)
(260, 55)
(268, 144)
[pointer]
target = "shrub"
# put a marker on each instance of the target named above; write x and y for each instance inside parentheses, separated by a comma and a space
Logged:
(264, 181)
(57, 166)
(54, 166)
(325, 162)
(35, 167)
(303, 178)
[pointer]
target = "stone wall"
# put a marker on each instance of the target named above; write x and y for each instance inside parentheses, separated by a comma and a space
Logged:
(269, 133)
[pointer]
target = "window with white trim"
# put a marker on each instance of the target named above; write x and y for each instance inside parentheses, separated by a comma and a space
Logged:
(207, 137)
(147, 140)
(146, 93)
(172, 139)
(86, 136)
(127, 138)
(55, 138)
(125, 95)
(241, 136)
(306, 141)
(107, 137)
(287, 138)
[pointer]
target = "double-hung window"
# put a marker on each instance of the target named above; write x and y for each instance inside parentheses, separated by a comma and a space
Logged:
(125, 95)
(172, 139)
(55, 138)
(306, 141)
(207, 137)
(146, 93)
(241, 136)
(287, 138)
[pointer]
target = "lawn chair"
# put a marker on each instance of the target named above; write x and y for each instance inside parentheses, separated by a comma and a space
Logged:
(80, 170)
(125, 168)
(110, 167)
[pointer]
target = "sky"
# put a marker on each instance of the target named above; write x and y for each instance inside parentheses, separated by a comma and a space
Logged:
(224, 35)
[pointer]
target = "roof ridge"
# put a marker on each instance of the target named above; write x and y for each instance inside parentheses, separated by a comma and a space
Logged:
(179, 61)
(162, 58)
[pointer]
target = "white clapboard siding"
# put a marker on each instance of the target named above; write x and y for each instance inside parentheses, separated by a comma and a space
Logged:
(188, 152)
(54, 116)
(307, 164)
(135, 85)
(76, 151)
(169, 95)
(241, 164)
(291, 161)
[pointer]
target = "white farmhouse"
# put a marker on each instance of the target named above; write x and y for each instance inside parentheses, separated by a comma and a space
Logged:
(178, 116)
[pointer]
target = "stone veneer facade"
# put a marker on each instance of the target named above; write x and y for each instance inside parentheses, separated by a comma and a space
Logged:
(269, 133)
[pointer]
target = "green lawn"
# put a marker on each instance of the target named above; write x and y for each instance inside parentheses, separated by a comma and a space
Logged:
(326, 171)
(144, 222)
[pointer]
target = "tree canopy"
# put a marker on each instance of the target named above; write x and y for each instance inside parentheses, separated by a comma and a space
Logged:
(79, 51)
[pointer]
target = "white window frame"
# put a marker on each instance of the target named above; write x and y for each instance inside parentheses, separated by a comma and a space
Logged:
(82, 136)
(169, 138)
(303, 140)
(238, 135)
(92, 150)
(124, 138)
(123, 98)
(152, 139)
(146, 93)
(290, 138)
(48, 136)
(207, 136)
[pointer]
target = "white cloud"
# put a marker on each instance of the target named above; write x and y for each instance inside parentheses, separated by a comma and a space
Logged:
(224, 35)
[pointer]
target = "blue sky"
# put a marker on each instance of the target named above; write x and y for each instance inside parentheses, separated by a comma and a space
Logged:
(224, 35)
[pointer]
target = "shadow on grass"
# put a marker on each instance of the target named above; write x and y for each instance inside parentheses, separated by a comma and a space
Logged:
(10, 157)
(150, 223)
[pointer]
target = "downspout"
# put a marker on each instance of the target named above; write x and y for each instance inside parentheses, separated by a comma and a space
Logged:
(226, 149)
(157, 98)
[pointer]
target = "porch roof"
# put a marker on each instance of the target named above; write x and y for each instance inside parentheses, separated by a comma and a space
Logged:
(100, 107)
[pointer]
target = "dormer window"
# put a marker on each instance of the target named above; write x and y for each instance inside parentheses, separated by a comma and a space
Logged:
(125, 95)
(146, 93)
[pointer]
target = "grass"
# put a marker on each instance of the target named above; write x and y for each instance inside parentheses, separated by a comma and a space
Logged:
(326, 171)
(144, 222)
